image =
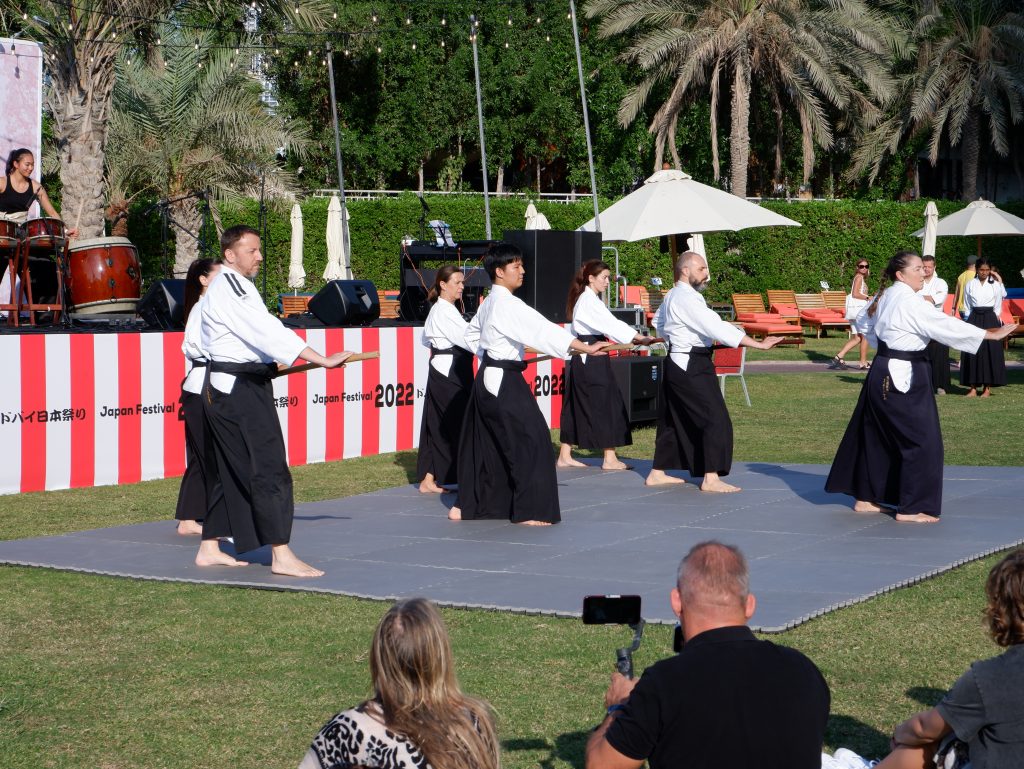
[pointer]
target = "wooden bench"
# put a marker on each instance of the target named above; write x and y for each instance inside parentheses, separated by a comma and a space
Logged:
(815, 314)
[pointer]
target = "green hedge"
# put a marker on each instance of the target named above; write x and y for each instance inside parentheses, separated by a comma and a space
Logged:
(833, 236)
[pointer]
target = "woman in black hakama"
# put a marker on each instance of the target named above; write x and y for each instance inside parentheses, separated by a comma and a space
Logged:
(191, 509)
(892, 451)
(594, 412)
(448, 383)
(983, 298)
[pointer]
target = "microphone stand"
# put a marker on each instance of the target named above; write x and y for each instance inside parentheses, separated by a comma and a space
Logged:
(262, 227)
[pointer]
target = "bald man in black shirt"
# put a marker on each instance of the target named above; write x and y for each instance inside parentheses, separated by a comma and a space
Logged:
(727, 699)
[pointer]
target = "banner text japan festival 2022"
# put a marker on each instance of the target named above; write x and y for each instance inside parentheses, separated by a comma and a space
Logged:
(98, 409)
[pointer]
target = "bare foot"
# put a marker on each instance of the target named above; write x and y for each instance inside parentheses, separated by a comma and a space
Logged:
(431, 488)
(570, 462)
(987, 393)
(455, 514)
(618, 464)
(860, 506)
(189, 528)
(210, 554)
(285, 562)
(972, 393)
(661, 478)
(534, 523)
(718, 487)
(916, 518)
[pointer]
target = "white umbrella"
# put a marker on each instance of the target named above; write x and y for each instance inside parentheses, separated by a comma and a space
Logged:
(338, 266)
(536, 220)
(296, 274)
(978, 218)
(931, 223)
(671, 202)
(696, 244)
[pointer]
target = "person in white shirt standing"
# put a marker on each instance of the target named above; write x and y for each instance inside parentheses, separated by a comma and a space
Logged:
(191, 508)
(594, 413)
(891, 453)
(983, 303)
(247, 469)
(505, 469)
(935, 290)
(694, 429)
(448, 382)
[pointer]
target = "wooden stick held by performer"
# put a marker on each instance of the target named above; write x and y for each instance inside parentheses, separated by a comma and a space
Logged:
(694, 429)
(248, 481)
(594, 412)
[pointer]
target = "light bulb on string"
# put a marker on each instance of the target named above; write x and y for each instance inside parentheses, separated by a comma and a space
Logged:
(414, 46)
(158, 41)
(408, 21)
(24, 16)
(346, 53)
(378, 49)
(547, 38)
(277, 51)
(442, 43)
(510, 21)
(569, 16)
(444, 22)
(538, 19)
(309, 53)
(335, 14)
(197, 46)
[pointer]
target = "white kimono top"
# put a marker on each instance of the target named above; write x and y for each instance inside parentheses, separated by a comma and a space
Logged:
(688, 322)
(192, 347)
(978, 294)
(444, 328)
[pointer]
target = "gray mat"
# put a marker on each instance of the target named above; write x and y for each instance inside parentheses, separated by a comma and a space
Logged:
(808, 552)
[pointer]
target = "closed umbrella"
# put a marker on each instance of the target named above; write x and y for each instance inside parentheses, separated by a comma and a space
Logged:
(931, 224)
(338, 266)
(978, 218)
(536, 220)
(296, 273)
(671, 201)
(696, 244)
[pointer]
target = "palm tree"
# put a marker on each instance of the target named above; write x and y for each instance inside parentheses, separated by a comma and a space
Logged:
(806, 53)
(969, 73)
(190, 123)
(82, 41)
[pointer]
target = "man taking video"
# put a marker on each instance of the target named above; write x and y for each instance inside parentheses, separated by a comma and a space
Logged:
(727, 699)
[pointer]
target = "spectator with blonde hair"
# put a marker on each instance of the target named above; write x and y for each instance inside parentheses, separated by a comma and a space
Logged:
(418, 716)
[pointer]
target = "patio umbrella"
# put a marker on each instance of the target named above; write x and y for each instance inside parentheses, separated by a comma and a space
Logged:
(338, 266)
(671, 201)
(931, 223)
(536, 220)
(696, 244)
(296, 274)
(978, 218)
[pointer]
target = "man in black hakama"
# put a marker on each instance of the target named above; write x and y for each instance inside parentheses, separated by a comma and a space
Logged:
(249, 485)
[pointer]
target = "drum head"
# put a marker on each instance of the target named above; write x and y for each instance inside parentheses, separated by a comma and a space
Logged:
(83, 245)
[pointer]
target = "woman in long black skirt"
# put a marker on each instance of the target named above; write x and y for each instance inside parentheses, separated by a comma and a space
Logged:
(593, 411)
(448, 383)
(983, 299)
(892, 451)
(191, 508)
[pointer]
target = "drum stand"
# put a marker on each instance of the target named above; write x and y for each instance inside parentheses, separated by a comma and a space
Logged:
(59, 309)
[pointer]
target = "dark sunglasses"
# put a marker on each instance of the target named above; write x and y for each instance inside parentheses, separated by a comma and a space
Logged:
(863, 267)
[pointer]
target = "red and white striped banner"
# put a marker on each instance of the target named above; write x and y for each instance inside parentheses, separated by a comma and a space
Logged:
(101, 409)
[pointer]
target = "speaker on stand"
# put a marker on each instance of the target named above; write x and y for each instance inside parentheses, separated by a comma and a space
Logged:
(551, 259)
(163, 305)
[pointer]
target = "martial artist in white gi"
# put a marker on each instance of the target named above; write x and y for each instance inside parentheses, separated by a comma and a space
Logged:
(694, 429)
(505, 466)
(252, 503)
(935, 290)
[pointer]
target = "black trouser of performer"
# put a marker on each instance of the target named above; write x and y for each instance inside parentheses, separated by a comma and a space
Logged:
(938, 359)
(987, 367)
(892, 450)
(593, 411)
(694, 428)
(506, 466)
(192, 493)
(444, 409)
(253, 502)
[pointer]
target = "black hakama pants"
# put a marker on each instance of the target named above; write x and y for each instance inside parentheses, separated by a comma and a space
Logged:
(192, 493)
(506, 466)
(593, 410)
(694, 428)
(892, 450)
(988, 365)
(444, 407)
(938, 359)
(247, 477)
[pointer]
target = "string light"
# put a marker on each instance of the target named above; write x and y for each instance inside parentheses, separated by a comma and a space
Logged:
(538, 19)
(510, 21)
(442, 43)
(378, 49)
(197, 46)
(444, 22)
(414, 46)
(408, 21)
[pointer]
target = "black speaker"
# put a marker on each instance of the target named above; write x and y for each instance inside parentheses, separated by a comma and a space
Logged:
(551, 258)
(346, 303)
(163, 306)
(412, 301)
(639, 379)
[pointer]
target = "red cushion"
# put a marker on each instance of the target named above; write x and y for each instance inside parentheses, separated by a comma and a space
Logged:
(772, 328)
(785, 309)
(757, 317)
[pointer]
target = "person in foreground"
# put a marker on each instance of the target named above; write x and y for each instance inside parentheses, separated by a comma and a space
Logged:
(981, 719)
(248, 484)
(448, 382)
(504, 466)
(892, 451)
(694, 429)
(192, 493)
(727, 699)
(418, 717)
(593, 411)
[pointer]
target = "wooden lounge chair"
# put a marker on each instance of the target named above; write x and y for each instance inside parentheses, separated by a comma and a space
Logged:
(756, 322)
(783, 302)
(815, 314)
(294, 305)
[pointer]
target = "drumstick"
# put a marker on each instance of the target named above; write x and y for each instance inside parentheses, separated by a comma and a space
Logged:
(355, 357)
(609, 348)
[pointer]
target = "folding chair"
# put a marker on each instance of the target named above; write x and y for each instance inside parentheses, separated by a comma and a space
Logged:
(730, 361)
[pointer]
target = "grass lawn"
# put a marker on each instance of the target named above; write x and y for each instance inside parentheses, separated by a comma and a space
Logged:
(105, 673)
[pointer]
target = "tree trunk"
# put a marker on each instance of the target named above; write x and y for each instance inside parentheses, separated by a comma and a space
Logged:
(739, 135)
(807, 137)
(538, 175)
(716, 164)
(673, 124)
(777, 109)
(421, 179)
(969, 157)
(186, 221)
(499, 186)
